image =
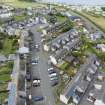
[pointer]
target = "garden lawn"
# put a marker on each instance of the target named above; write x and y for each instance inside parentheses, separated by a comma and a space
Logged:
(5, 77)
(20, 18)
(3, 87)
(5, 70)
(61, 18)
(3, 96)
(8, 47)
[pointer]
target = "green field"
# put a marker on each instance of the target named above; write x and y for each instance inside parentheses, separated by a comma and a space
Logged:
(98, 20)
(21, 4)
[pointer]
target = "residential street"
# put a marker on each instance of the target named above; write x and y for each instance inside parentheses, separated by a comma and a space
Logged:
(40, 71)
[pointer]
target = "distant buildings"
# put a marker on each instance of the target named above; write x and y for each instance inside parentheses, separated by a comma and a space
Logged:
(6, 11)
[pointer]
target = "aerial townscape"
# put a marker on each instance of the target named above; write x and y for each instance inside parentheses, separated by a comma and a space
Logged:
(52, 52)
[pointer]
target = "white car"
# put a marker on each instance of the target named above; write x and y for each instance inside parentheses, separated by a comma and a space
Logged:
(54, 78)
(53, 75)
(50, 69)
(36, 82)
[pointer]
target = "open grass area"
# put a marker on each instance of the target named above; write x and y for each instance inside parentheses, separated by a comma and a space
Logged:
(21, 4)
(98, 20)
(6, 69)
(20, 18)
(3, 96)
(5, 77)
(3, 86)
(8, 47)
(61, 18)
(5, 72)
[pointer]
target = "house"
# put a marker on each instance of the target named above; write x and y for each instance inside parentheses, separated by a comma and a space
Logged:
(101, 47)
(6, 15)
(61, 40)
(53, 29)
(95, 36)
(74, 18)
(76, 88)
(96, 94)
(61, 53)
(2, 58)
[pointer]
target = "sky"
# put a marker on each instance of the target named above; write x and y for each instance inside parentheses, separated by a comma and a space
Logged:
(80, 2)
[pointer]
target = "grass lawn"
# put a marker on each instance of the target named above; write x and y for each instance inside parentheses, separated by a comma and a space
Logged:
(64, 66)
(61, 18)
(21, 4)
(20, 18)
(98, 20)
(5, 70)
(5, 77)
(8, 46)
(3, 86)
(3, 96)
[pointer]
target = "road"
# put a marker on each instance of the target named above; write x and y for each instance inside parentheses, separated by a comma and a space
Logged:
(40, 70)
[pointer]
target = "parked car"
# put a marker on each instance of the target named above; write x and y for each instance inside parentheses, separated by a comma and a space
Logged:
(36, 82)
(50, 69)
(36, 98)
(52, 75)
(54, 78)
(28, 77)
(34, 62)
(54, 83)
(28, 85)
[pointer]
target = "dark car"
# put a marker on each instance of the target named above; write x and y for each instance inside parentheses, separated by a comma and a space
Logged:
(38, 98)
(28, 77)
(54, 83)
(51, 72)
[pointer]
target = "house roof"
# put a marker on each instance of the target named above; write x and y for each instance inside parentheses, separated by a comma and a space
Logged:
(3, 58)
(79, 77)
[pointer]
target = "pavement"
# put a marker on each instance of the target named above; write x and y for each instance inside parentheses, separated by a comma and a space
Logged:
(40, 70)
